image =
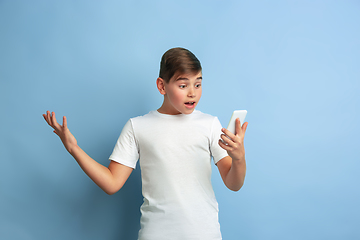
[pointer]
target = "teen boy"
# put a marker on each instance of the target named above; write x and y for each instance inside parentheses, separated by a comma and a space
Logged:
(174, 145)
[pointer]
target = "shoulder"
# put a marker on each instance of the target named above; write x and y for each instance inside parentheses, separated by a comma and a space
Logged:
(145, 117)
(140, 123)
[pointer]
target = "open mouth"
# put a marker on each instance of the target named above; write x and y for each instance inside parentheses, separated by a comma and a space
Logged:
(190, 104)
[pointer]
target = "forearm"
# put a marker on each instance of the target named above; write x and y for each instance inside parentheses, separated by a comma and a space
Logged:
(110, 179)
(235, 177)
(233, 167)
(100, 174)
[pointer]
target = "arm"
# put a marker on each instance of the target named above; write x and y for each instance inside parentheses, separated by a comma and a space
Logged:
(110, 179)
(233, 167)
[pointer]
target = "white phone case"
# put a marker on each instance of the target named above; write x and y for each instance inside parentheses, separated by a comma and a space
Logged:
(236, 114)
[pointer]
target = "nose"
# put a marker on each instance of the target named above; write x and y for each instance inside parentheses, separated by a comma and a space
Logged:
(191, 92)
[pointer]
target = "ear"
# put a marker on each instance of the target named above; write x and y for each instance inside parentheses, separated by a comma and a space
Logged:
(160, 83)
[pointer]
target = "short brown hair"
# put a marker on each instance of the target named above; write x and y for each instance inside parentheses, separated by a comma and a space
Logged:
(178, 61)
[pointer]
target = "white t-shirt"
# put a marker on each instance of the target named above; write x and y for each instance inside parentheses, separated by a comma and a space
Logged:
(175, 159)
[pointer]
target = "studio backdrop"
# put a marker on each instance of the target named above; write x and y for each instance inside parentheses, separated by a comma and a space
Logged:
(293, 65)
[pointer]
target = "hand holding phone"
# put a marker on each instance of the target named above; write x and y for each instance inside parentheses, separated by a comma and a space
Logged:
(236, 114)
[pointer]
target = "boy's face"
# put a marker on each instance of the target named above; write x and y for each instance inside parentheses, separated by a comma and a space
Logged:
(181, 94)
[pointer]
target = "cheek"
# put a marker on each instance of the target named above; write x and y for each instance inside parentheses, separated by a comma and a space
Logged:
(199, 93)
(177, 96)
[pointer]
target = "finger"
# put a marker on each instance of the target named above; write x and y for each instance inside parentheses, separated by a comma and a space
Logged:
(228, 133)
(64, 122)
(226, 140)
(238, 126)
(244, 127)
(48, 117)
(44, 116)
(54, 122)
(224, 146)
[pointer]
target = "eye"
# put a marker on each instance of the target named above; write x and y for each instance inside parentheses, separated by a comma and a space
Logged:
(198, 85)
(182, 86)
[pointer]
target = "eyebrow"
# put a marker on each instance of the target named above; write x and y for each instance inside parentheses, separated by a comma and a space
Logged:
(199, 78)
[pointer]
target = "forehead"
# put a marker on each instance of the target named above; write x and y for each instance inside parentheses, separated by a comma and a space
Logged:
(187, 76)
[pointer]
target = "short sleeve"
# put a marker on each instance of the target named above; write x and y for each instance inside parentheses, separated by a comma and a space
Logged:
(126, 150)
(217, 152)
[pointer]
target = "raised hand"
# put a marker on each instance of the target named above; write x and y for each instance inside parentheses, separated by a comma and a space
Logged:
(234, 143)
(109, 179)
(62, 131)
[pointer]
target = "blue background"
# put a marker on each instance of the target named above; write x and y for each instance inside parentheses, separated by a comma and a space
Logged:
(294, 65)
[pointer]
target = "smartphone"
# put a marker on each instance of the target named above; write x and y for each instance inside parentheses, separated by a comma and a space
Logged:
(236, 114)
